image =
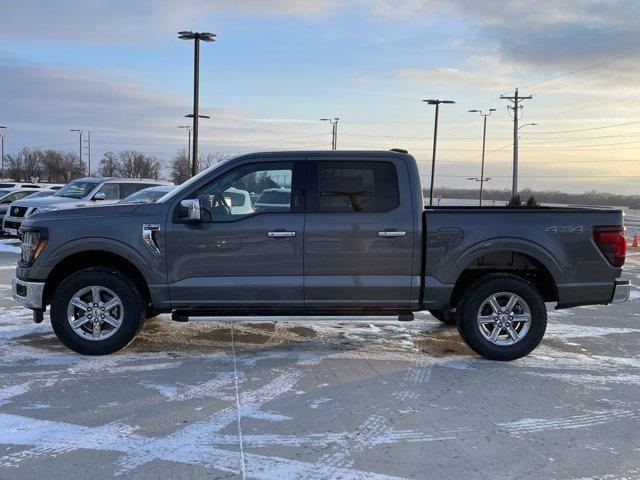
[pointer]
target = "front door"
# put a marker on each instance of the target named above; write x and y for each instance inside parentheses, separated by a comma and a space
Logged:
(359, 234)
(247, 252)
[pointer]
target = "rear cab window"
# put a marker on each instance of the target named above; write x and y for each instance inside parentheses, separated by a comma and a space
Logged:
(355, 187)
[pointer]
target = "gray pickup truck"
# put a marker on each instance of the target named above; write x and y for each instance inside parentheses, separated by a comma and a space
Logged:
(351, 237)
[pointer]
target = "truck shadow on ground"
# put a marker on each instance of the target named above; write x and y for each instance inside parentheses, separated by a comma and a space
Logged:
(159, 334)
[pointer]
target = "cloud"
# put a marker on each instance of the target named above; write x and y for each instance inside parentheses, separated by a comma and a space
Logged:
(142, 21)
(453, 78)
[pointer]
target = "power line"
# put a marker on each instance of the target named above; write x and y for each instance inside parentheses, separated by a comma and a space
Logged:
(585, 129)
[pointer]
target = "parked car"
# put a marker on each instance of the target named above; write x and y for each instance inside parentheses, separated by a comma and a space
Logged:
(84, 192)
(8, 195)
(5, 210)
(4, 185)
(148, 195)
(355, 239)
(52, 186)
(273, 199)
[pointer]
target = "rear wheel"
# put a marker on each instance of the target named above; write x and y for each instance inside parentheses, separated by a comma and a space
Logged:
(97, 311)
(502, 317)
(444, 316)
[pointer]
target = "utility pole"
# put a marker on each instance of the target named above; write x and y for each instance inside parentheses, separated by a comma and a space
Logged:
(437, 103)
(516, 108)
(196, 37)
(2, 155)
(79, 132)
(334, 130)
(484, 140)
(89, 153)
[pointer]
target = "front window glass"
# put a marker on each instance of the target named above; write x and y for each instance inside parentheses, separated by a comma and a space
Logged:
(111, 191)
(247, 190)
(77, 189)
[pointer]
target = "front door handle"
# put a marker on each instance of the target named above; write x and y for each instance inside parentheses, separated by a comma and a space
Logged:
(392, 233)
(281, 234)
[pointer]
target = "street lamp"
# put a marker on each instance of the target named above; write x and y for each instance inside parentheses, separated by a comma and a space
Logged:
(2, 155)
(194, 165)
(484, 138)
(79, 132)
(188, 127)
(196, 37)
(334, 130)
(437, 103)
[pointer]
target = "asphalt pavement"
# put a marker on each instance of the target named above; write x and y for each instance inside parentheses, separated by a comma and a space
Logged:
(352, 398)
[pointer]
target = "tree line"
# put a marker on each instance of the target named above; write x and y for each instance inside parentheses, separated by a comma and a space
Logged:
(54, 166)
(591, 197)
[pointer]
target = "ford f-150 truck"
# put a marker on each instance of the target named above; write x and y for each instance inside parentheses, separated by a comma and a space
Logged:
(353, 237)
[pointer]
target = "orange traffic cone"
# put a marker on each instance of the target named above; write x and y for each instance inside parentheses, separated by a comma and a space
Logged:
(635, 241)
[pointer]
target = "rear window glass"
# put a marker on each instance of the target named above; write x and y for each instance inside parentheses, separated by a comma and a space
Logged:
(357, 187)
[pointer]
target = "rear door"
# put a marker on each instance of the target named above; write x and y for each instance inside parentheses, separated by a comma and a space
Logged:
(359, 233)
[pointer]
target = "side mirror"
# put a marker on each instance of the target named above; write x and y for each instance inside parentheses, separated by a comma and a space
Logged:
(190, 210)
(100, 196)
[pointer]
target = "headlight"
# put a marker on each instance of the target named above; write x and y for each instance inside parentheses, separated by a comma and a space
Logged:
(32, 244)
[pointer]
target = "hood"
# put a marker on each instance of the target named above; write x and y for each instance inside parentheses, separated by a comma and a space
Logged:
(44, 201)
(113, 211)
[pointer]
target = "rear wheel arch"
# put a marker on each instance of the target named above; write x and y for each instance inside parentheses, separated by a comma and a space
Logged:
(512, 262)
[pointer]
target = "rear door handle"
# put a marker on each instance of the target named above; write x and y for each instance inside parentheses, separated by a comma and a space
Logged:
(281, 234)
(392, 233)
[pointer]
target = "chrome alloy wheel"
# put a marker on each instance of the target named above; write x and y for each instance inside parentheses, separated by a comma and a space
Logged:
(504, 318)
(95, 313)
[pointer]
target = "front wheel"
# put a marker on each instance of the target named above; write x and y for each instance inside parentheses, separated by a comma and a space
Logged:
(502, 317)
(96, 311)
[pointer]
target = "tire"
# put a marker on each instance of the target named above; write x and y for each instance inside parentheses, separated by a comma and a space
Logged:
(113, 288)
(445, 318)
(477, 318)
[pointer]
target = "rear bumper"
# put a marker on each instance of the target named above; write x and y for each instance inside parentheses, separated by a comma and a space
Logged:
(621, 291)
(29, 294)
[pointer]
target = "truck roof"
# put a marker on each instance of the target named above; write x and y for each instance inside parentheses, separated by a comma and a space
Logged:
(339, 154)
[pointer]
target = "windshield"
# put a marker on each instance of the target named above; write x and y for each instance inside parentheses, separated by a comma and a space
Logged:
(144, 196)
(193, 180)
(76, 189)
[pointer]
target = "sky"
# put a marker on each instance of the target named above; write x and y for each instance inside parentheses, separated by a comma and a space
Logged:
(116, 68)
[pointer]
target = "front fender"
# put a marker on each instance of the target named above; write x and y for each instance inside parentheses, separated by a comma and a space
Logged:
(150, 266)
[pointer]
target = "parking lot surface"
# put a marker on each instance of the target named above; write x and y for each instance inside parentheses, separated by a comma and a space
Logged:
(353, 398)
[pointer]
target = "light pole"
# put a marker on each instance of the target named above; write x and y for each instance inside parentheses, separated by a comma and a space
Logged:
(196, 37)
(437, 103)
(2, 155)
(484, 139)
(194, 158)
(334, 130)
(188, 127)
(79, 132)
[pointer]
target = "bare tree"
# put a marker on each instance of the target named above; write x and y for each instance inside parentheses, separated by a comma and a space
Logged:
(210, 159)
(109, 165)
(180, 168)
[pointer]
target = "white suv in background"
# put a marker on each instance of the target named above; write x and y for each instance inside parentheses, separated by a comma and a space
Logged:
(84, 192)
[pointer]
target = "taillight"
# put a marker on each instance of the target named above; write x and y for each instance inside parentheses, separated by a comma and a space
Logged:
(612, 243)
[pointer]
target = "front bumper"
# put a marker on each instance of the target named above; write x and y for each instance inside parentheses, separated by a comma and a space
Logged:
(29, 294)
(621, 291)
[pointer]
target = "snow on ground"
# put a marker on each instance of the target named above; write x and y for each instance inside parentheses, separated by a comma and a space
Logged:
(321, 399)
